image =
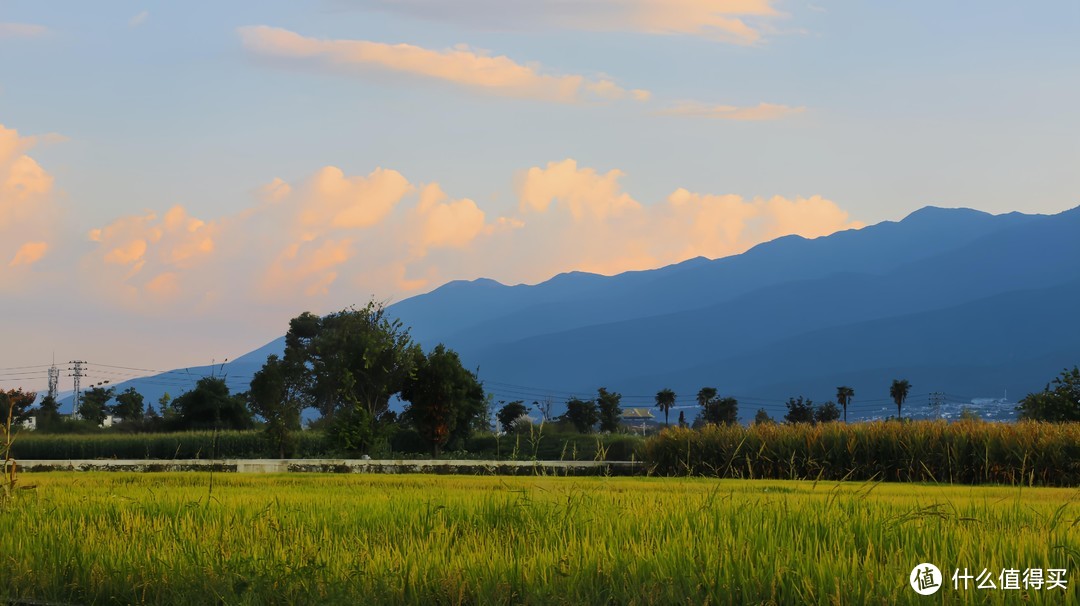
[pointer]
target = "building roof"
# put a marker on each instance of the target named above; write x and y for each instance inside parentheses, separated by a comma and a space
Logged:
(636, 414)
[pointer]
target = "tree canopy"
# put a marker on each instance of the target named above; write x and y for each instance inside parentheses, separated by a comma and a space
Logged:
(1058, 402)
(444, 398)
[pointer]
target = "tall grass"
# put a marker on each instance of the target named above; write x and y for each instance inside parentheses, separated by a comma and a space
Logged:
(1025, 453)
(157, 539)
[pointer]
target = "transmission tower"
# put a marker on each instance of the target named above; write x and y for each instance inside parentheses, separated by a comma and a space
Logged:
(54, 379)
(77, 374)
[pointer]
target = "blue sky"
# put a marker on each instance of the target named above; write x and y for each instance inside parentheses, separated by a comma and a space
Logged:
(515, 139)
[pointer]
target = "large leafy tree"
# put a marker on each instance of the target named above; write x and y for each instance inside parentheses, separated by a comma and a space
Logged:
(1059, 403)
(444, 398)
(899, 393)
(94, 404)
(800, 410)
(510, 415)
(665, 399)
(726, 411)
(826, 413)
(210, 406)
(582, 414)
(274, 398)
(608, 404)
(129, 405)
(17, 403)
(844, 395)
(355, 358)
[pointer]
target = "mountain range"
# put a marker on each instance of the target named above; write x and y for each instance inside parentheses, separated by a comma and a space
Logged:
(966, 306)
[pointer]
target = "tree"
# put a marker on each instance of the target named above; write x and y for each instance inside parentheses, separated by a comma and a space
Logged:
(1058, 404)
(355, 357)
(128, 406)
(17, 403)
(727, 411)
(706, 398)
(94, 404)
(665, 399)
(799, 411)
(610, 411)
(510, 415)
(826, 413)
(210, 406)
(582, 414)
(273, 397)
(762, 417)
(844, 395)
(48, 413)
(682, 419)
(899, 392)
(444, 398)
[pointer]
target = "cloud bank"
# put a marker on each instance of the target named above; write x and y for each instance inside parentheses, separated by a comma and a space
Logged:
(332, 238)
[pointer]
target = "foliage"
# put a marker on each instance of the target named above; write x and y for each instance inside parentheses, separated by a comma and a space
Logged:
(17, 404)
(727, 411)
(1057, 404)
(1024, 453)
(129, 406)
(510, 414)
(444, 398)
(273, 397)
(94, 404)
(706, 399)
(582, 414)
(844, 396)
(355, 357)
(762, 417)
(682, 418)
(48, 414)
(826, 413)
(607, 402)
(898, 391)
(799, 411)
(665, 399)
(106, 444)
(210, 406)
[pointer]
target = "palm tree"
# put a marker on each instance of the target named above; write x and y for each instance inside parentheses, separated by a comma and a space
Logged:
(899, 392)
(665, 399)
(843, 397)
(706, 397)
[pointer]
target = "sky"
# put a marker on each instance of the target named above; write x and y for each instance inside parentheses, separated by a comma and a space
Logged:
(178, 180)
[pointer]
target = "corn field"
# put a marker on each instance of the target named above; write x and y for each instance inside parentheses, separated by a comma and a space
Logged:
(184, 538)
(1025, 453)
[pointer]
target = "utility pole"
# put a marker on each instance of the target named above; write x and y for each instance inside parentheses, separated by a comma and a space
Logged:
(937, 398)
(77, 374)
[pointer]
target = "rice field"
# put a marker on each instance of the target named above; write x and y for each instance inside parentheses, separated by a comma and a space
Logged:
(178, 538)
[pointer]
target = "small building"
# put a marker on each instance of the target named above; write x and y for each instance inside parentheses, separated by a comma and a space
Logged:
(637, 417)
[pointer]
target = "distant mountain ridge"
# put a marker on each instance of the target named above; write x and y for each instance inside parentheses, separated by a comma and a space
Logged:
(958, 301)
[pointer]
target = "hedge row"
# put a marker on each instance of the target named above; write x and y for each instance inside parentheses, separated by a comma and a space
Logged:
(541, 445)
(1025, 453)
(184, 445)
